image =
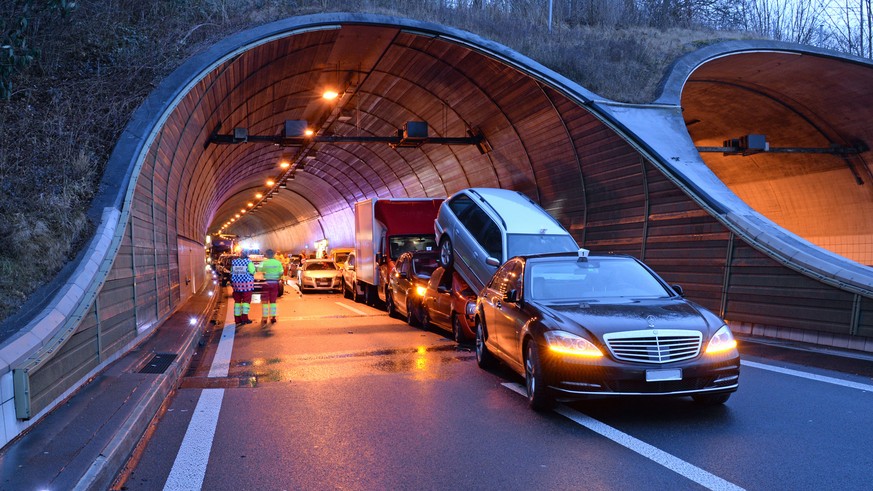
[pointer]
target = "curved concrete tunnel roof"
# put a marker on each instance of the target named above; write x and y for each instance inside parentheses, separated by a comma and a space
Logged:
(622, 178)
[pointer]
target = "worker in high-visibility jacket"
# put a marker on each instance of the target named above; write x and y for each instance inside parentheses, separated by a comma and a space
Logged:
(273, 270)
(242, 279)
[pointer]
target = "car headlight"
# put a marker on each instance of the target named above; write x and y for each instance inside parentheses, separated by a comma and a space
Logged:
(470, 309)
(571, 344)
(420, 290)
(722, 341)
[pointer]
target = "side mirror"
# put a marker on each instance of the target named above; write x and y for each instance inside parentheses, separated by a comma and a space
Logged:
(402, 274)
(350, 267)
(511, 296)
(492, 261)
(678, 289)
(442, 289)
(378, 258)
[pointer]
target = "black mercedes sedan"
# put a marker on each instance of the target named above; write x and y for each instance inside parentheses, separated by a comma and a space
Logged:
(576, 326)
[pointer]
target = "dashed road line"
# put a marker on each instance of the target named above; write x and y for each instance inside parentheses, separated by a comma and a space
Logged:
(675, 464)
(357, 311)
(809, 376)
(189, 468)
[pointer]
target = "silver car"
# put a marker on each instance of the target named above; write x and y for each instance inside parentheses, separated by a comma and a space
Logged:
(478, 229)
(319, 274)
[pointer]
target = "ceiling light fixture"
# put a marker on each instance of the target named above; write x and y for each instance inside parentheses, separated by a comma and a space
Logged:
(259, 195)
(271, 183)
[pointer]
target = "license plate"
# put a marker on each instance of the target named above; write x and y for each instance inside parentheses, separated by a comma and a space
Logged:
(256, 298)
(663, 375)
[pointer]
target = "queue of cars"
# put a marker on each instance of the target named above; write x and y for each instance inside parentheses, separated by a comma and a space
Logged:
(507, 274)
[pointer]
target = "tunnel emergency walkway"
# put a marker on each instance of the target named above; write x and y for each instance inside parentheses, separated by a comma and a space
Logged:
(242, 140)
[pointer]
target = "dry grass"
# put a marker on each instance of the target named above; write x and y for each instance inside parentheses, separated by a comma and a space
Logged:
(100, 61)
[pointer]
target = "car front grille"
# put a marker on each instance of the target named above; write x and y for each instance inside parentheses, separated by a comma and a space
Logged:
(654, 345)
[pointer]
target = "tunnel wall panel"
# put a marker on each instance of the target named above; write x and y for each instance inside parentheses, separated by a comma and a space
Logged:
(865, 318)
(764, 292)
(78, 356)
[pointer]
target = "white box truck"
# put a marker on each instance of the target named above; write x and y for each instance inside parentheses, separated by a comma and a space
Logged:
(385, 228)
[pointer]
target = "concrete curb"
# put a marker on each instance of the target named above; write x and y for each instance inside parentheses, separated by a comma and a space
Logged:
(114, 455)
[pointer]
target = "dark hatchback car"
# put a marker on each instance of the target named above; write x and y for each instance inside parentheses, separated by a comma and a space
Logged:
(407, 284)
(576, 326)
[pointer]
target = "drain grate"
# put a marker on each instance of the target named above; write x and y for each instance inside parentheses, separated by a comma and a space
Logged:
(159, 363)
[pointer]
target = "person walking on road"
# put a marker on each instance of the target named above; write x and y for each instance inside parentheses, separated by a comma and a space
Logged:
(242, 279)
(273, 270)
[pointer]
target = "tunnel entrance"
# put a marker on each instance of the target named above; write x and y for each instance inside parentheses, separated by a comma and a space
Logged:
(815, 178)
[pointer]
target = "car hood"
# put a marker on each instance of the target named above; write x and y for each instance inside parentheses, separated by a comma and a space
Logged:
(601, 317)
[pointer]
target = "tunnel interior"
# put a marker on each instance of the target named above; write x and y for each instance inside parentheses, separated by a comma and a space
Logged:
(385, 77)
(816, 179)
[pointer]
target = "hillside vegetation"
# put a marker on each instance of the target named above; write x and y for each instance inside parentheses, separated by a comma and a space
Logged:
(72, 74)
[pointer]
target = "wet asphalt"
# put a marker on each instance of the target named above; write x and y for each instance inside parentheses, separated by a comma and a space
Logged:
(336, 395)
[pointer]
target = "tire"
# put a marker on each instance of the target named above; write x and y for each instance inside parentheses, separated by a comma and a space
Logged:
(538, 396)
(281, 289)
(484, 358)
(711, 399)
(389, 304)
(447, 257)
(456, 328)
(411, 316)
(425, 318)
(346, 292)
(359, 298)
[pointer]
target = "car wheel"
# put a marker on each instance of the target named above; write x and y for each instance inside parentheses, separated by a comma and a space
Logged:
(456, 328)
(425, 318)
(356, 293)
(389, 304)
(346, 292)
(281, 289)
(446, 253)
(538, 397)
(411, 317)
(711, 399)
(484, 358)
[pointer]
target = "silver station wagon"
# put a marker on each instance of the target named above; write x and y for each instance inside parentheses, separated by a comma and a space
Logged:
(478, 229)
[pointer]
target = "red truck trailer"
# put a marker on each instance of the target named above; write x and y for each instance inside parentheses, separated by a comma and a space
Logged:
(385, 229)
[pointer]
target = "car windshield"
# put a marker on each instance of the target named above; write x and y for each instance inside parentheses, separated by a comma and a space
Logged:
(569, 279)
(405, 243)
(524, 244)
(424, 265)
(341, 257)
(324, 266)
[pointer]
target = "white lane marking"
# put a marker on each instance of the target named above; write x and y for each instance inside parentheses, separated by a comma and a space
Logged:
(221, 363)
(189, 468)
(357, 311)
(809, 376)
(675, 464)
